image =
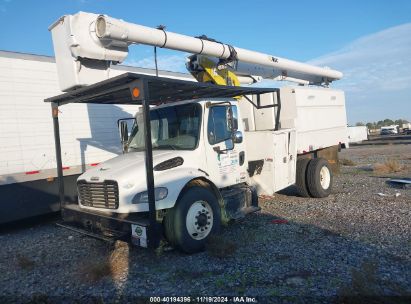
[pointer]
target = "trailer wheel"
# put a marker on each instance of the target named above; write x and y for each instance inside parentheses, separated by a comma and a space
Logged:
(319, 177)
(300, 178)
(195, 217)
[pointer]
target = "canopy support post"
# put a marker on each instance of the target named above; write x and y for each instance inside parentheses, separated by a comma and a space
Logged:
(153, 230)
(56, 127)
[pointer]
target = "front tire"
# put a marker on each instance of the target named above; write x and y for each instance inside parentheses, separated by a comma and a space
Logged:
(319, 178)
(196, 216)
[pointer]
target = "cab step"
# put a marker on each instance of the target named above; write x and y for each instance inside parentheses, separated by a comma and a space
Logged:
(240, 201)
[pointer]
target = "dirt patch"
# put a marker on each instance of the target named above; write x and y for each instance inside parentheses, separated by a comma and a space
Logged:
(25, 262)
(219, 247)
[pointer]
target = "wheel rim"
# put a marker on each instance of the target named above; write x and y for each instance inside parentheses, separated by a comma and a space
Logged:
(199, 220)
(325, 177)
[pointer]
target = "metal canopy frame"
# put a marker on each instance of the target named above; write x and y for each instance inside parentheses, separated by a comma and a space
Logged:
(145, 90)
(276, 105)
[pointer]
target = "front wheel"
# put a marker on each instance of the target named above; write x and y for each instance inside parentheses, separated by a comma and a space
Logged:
(195, 217)
(319, 178)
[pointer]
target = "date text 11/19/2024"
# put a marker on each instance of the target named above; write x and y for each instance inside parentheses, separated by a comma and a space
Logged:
(203, 299)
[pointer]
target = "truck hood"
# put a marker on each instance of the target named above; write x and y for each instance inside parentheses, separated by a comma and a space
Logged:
(127, 166)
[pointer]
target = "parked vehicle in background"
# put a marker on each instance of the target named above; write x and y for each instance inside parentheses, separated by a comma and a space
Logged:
(389, 130)
(357, 134)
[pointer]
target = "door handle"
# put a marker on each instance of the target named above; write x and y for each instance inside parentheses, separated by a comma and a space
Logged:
(241, 158)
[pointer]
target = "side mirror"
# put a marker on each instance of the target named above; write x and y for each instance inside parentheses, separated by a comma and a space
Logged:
(237, 137)
(229, 143)
(124, 134)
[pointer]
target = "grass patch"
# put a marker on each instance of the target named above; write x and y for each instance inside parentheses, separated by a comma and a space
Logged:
(347, 162)
(25, 262)
(40, 298)
(219, 247)
(114, 265)
(389, 166)
(365, 283)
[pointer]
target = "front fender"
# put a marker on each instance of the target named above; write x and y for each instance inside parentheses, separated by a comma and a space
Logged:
(175, 180)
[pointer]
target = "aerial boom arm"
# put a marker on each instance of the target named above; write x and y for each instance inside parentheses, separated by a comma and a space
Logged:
(94, 41)
(267, 65)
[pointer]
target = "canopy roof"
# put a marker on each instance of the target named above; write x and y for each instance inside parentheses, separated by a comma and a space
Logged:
(157, 90)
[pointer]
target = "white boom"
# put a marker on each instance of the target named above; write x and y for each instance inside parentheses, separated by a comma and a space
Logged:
(85, 44)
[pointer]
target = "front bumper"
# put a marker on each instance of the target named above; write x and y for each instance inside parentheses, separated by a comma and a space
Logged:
(133, 227)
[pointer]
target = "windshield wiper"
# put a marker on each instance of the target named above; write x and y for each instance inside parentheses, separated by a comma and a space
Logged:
(136, 149)
(161, 147)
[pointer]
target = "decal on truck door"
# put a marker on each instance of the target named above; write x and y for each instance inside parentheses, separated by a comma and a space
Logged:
(228, 162)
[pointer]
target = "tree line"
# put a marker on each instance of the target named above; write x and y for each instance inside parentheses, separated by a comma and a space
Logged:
(382, 123)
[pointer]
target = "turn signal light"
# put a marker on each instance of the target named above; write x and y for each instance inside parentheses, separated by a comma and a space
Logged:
(136, 92)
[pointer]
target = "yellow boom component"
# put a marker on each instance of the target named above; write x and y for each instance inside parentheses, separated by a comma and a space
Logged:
(211, 73)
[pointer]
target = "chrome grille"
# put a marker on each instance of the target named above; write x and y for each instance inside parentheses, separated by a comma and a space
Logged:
(98, 195)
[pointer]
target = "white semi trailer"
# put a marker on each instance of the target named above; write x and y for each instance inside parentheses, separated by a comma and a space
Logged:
(198, 153)
(28, 184)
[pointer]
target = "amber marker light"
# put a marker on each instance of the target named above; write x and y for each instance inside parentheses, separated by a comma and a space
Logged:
(136, 92)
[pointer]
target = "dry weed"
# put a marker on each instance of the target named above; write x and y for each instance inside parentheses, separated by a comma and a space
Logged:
(389, 166)
(115, 265)
(347, 162)
(119, 260)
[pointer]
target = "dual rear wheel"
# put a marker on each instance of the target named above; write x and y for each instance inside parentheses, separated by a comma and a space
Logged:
(313, 177)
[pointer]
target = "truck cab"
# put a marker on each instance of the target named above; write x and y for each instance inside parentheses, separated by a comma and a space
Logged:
(190, 139)
(197, 147)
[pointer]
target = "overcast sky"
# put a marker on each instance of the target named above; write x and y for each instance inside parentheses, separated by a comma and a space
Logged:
(369, 41)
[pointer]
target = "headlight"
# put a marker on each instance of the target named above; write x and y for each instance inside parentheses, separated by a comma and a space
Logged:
(142, 197)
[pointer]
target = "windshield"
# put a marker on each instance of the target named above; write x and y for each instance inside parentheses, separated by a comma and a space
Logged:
(172, 128)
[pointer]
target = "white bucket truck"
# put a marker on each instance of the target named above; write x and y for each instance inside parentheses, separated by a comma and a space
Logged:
(198, 153)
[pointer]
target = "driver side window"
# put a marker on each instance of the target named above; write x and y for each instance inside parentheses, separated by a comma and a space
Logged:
(219, 124)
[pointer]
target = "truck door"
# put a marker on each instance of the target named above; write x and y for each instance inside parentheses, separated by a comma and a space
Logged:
(228, 167)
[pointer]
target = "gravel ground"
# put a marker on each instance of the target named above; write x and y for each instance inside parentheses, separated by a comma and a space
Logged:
(354, 242)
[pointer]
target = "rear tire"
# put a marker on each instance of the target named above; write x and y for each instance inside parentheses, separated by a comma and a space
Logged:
(196, 216)
(319, 178)
(301, 177)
